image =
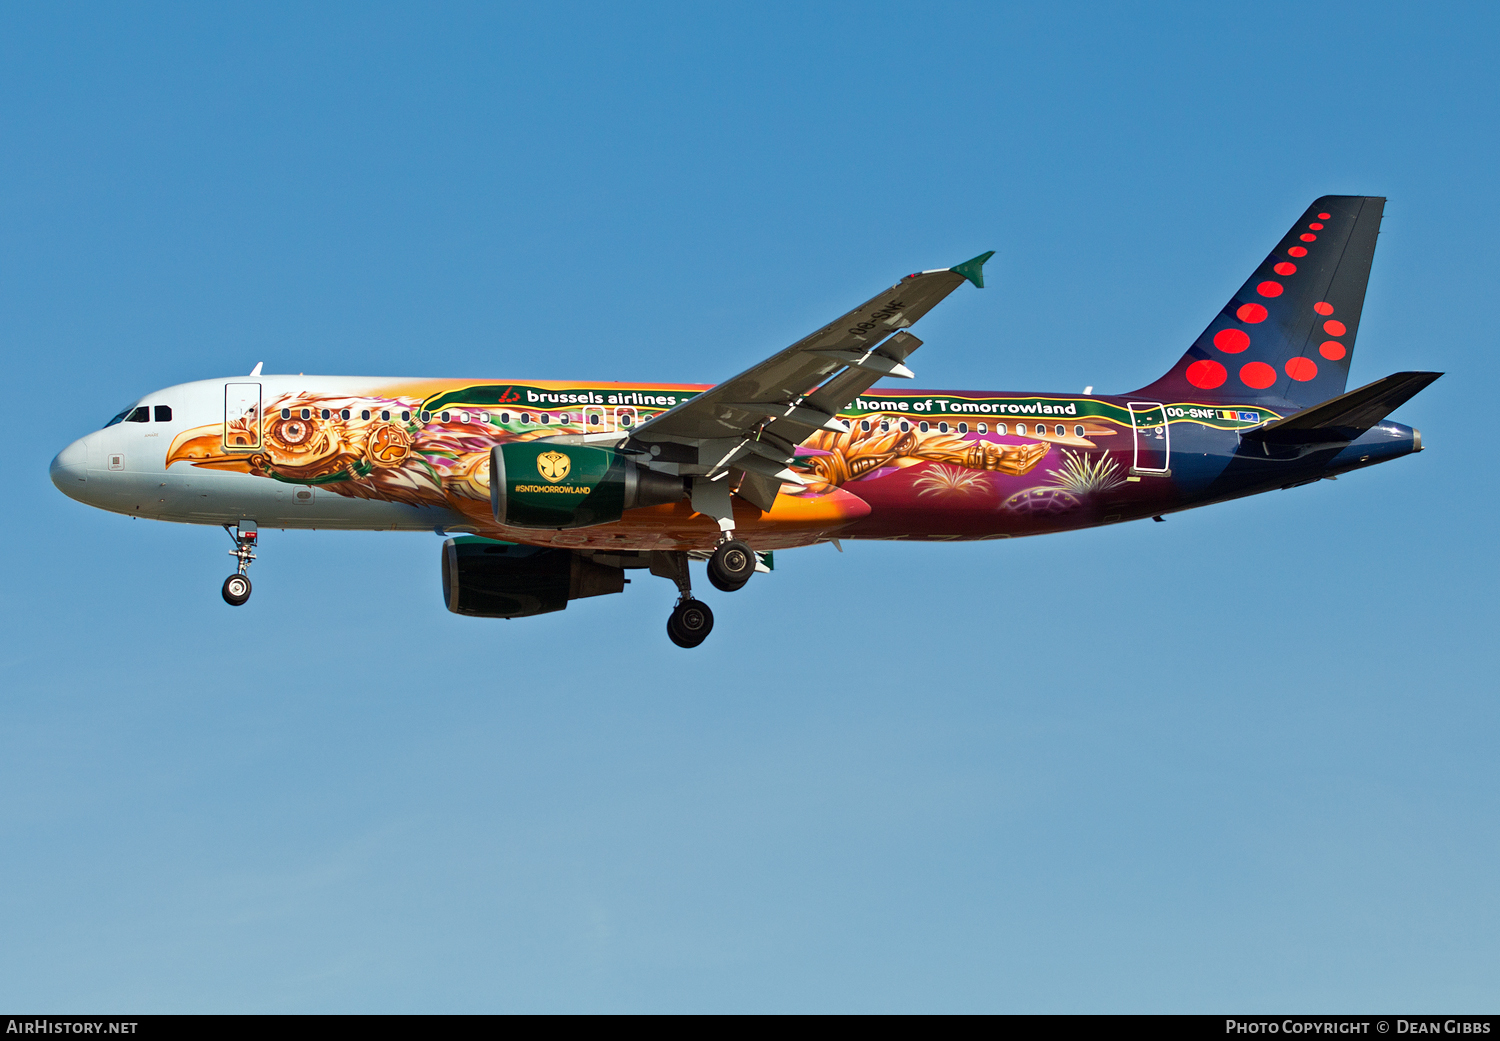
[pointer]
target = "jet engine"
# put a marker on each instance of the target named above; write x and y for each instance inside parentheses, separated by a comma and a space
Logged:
(540, 484)
(489, 579)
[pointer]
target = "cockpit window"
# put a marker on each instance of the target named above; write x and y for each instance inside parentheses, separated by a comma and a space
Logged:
(139, 415)
(118, 419)
(163, 413)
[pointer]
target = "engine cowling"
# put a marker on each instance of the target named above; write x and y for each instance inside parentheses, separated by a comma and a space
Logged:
(540, 484)
(489, 579)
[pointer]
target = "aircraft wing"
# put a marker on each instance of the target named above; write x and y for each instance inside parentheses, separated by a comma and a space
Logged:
(747, 427)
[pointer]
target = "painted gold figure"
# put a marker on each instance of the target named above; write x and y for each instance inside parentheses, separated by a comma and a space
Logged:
(859, 452)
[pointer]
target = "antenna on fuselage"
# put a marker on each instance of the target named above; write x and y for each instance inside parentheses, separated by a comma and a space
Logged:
(256, 371)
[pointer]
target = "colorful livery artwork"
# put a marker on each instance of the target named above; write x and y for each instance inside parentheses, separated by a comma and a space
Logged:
(552, 490)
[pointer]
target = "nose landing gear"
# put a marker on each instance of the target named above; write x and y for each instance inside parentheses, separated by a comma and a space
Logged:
(237, 586)
(236, 590)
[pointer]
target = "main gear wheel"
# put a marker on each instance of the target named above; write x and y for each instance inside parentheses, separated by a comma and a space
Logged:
(690, 623)
(731, 565)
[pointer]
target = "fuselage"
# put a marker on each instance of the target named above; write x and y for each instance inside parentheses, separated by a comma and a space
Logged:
(413, 454)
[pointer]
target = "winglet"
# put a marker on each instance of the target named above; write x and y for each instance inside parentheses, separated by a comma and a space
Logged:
(973, 270)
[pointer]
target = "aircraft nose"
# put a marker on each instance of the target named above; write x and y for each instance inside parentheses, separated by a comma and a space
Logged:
(70, 470)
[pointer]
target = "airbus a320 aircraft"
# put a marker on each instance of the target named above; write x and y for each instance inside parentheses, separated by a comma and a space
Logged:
(555, 489)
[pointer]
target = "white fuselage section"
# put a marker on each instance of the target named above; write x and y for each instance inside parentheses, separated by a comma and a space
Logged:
(123, 468)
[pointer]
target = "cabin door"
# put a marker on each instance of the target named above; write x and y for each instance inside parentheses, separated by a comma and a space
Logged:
(241, 416)
(1153, 439)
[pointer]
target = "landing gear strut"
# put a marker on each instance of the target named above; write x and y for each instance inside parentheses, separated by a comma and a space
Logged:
(237, 586)
(690, 621)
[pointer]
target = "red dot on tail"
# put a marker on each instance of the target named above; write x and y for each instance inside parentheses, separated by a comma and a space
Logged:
(1269, 289)
(1334, 327)
(1206, 375)
(1251, 313)
(1315, 226)
(1230, 341)
(1285, 269)
(1324, 216)
(1301, 369)
(1308, 236)
(1297, 251)
(1332, 350)
(1323, 307)
(1257, 374)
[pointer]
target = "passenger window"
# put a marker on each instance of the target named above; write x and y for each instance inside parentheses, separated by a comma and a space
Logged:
(426, 416)
(1061, 430)
(364, 413)
(344, 414)
(406, 416)
(595, 419)
(1000, 428)
(307, 413)
(1021, 429)
(385, 414)
(963, 428)
(864, 424)
(505, 417)
(984, 428)
(446, 416)
(546, 419)
(923, 427)
(286, 413)
(526, 419)
(484, 417)
(1078, 430)
(326, 414)
(139, 415)
(905, 426)
(885, 426)
(463, 417)
(163, 413)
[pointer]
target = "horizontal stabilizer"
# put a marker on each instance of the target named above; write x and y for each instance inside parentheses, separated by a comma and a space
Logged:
(1347, 416)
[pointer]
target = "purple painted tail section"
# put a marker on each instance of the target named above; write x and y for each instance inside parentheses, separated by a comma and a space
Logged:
(1287, 337)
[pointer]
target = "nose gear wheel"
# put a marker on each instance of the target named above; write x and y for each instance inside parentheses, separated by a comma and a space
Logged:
(236, 590)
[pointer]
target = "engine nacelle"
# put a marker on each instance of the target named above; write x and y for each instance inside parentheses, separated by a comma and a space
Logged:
(540, 484)
(489, 579)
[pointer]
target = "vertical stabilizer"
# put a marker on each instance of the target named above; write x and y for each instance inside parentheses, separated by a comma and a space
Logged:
(1287, 336)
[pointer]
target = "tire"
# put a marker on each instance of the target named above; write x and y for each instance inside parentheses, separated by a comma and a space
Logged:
(731, 565)
(236, 590)
(690, 623)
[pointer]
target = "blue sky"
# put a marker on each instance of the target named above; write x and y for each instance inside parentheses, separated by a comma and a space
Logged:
(1243, 760)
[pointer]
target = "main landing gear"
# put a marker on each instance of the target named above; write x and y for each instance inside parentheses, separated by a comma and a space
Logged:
(731, 565)
(729, 568)
(237, 586)
(690, 621)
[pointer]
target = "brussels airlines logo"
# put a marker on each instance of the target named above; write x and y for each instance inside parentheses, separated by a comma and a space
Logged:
(553, 466)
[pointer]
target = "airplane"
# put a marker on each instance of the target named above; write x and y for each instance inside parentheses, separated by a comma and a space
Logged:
(551, 491)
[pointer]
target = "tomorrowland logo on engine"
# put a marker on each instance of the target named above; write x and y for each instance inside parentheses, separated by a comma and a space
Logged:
(553, 466)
